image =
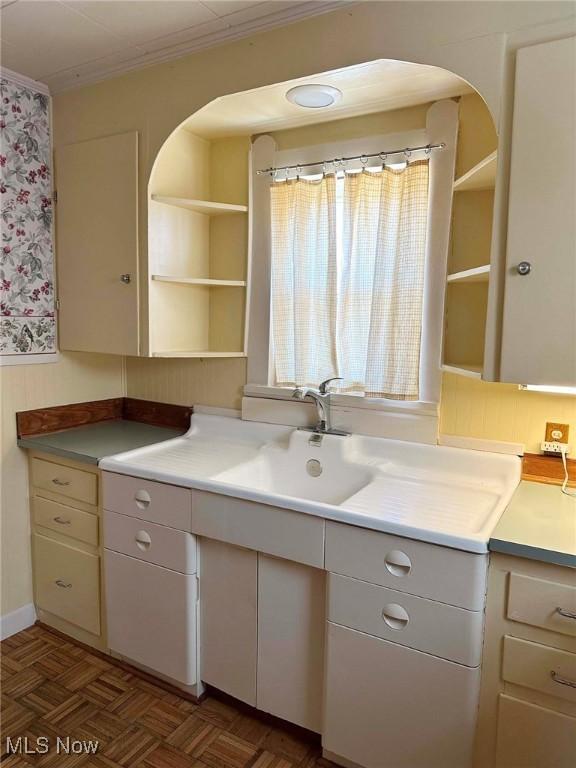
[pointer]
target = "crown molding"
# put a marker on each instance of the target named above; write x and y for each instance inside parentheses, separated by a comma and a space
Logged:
(69, 79)
(27, 82)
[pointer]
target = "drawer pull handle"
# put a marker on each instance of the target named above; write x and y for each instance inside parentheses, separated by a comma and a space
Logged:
(143, 540)
(562, 680)
(61, 521)
(395, 616)
(56, 481)
(398, 563)
(565, 613)
(63, 584)
(142, 499)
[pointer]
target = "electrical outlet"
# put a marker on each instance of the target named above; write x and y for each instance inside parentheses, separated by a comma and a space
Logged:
(556, 433)
(554, 448)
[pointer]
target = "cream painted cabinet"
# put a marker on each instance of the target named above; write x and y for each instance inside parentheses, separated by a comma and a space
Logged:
(540, 287)
(531, 736)
(67, 547)
(291, 622)
(97, 245)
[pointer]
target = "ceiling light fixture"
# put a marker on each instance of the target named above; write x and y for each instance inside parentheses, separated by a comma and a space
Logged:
(314, 96)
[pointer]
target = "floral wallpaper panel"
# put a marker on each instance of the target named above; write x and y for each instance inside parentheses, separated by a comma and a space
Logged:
(27, 323)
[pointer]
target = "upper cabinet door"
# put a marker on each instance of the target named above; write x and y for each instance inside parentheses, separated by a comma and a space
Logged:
(97, 245)
(539, 330)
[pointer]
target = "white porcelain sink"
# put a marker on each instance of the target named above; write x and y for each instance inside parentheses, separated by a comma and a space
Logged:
(443, 495)
(303, 470)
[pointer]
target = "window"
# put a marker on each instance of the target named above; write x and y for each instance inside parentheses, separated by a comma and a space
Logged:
(347, 280)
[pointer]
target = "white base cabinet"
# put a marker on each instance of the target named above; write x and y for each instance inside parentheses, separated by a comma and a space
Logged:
(388, 706)
(152, 616)
(228, 618)
(291, 624)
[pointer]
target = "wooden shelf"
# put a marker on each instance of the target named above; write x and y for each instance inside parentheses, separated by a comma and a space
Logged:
(471, 371)
(476, 275)
(481, 176)
(201, 206)
(200, 281)
(195, 353)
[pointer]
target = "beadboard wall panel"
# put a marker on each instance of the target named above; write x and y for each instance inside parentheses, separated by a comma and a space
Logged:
(473, 408)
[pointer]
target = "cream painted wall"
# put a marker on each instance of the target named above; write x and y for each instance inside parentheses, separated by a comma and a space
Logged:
(475, 408)
(74, 378)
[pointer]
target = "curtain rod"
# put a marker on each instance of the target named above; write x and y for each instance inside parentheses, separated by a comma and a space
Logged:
(339, 161)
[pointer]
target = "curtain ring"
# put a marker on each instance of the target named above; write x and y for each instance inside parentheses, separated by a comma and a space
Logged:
(363, 160)
(407, 153)
(298, 172)
(428, 150)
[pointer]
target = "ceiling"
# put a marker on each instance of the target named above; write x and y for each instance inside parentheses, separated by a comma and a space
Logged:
(71, 43)
(377, 86)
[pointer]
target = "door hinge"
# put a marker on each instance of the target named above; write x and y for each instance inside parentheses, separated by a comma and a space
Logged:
(55, 196)
(57, 304)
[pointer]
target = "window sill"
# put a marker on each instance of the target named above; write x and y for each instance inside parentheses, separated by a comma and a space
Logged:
(349, 401)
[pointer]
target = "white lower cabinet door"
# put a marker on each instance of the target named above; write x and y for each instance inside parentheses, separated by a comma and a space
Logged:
(530, 736)
(152, 616)
(291, 628)
(228, 616)
(388, 706)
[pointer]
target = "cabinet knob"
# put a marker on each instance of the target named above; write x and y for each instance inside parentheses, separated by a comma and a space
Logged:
(56, 481)
(63, 584)
(142, 499)
(61, 521)
(143, 540)
(524, 268)
(398, 563)
(395, 616)
(565, 613)
(126, 278)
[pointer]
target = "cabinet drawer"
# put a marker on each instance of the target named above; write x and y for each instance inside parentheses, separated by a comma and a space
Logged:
(150, 542)
(442, 630)
(274, 531)
(542, 603)
(427, 570)
(67, 582)
(67, 481)
(152, 616)
(157, 502)
(530, 736)
(66, 520)
(540, 667)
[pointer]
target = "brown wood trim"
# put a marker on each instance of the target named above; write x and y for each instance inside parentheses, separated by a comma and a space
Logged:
(54, 419)
(547, 469)
(43, 420)
(157, 414)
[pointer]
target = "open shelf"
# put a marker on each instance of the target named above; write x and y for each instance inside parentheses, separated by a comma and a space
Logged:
(481, 176)
(201, 206)
(471, 371)
(476, 275)
(200, 281)
(195, 353)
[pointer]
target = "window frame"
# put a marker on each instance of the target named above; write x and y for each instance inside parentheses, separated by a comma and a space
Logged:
(441, 126)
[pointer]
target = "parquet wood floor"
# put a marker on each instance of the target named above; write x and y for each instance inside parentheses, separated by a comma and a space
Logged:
(54, 688)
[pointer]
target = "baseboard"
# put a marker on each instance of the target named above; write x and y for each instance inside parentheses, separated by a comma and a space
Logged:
(17, 620)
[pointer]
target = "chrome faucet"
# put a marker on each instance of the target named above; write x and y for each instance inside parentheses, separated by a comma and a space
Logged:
(321, 397)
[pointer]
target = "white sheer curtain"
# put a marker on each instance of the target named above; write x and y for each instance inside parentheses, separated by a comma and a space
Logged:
(304, 281)
(348, 260)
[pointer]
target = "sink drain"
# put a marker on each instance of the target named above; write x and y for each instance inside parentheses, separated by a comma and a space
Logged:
(313, 467)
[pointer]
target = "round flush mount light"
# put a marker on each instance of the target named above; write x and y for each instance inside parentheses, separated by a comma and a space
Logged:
(314, 96)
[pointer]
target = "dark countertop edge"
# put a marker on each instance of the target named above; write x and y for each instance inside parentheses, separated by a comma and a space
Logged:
(532, 553)
(31, 444)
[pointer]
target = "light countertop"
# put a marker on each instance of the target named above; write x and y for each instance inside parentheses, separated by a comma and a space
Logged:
(540, 524)
(92, 442)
